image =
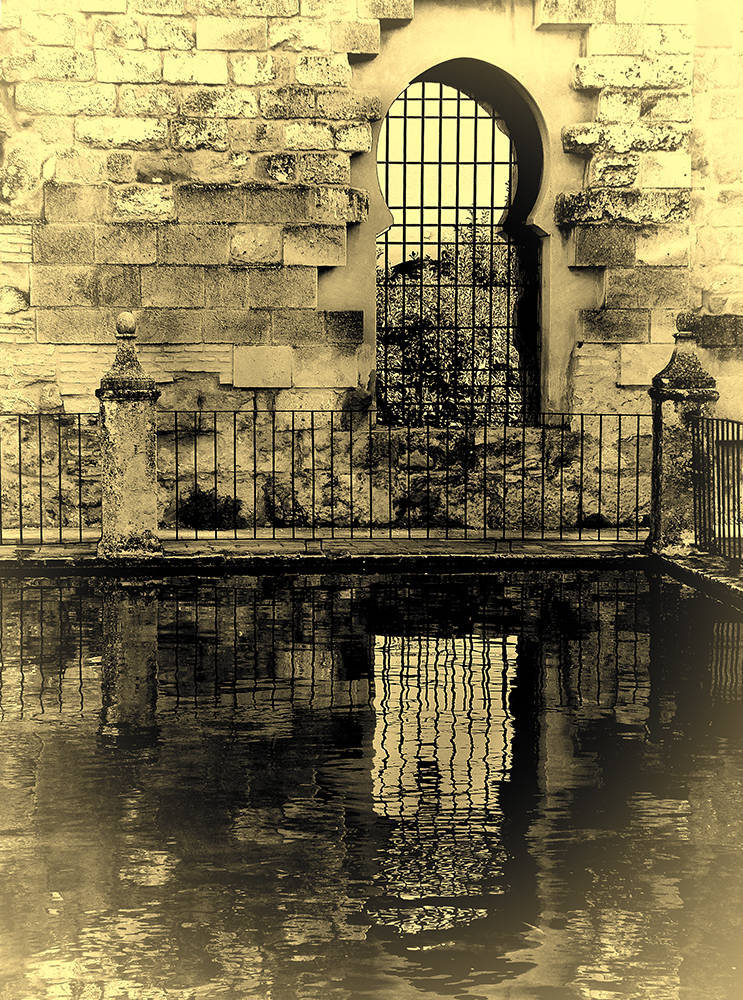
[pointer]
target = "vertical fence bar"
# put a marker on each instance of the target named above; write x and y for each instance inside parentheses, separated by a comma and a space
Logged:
(446, 482)
(408, 499)
(60, 513)
(177, 475)
(737, 493)
(543, 459)
(637, 478)
(273, 473)
(350, 468)
(562, 472)
(389, 479)
(332, 479)
(216, 491)
(293, 484)
(695, 466)
(504, 513)
(80, 476)
(254, 429)
(1, 483)
(523, 479)
(41, 483)
(234, 474)
(581, 468)
(312, 452)
(619, 470)
(371, 479)
(485, 475)
(601, 469)
(195, 472)
(465, 463)
(20, 483)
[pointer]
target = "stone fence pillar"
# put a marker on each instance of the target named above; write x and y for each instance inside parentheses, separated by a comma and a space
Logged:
(129, 453)
(679, 393)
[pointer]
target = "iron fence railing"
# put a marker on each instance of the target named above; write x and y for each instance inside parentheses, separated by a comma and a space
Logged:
(340, 474)
(49, 477)
(718, 470)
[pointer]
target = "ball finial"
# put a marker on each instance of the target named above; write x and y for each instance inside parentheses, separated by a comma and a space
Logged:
(126, 325)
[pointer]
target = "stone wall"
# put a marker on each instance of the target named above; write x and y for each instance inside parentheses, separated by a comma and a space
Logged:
(210, 165)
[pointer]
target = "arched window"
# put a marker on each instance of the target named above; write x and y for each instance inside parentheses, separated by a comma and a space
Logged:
(457, 273)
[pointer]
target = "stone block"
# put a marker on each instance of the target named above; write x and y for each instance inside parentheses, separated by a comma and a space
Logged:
(159, 7)
(631, 206)
(263, 367)
(288, 102)
(639, 363)
(387, 10)
(42, 63)
(199, 133)
(647, 287)
(353, 138)
(663, 105)
(101, 6)
(603, 246)
(194, 244)
(671, 72)
(170, 33)
(219, 102)
(325, 168)
(344, 327)
(237, 326)
(172, 286)
(613, 169)
(148, 101)
(195, 67)
(332, 70)
(232, 34)
(298, 326)
(209, 203)
(253, 8)
(331, 204)
(315, 245)
(663, 245)
(127, 66)
(577, 13)
(78, 285)
(65, 98)
(282, 287)
(16, 244)
(74, 202)
(665, 169)
(253, 69)
(225, 287)
(656, 11)
(325, 366)
(250, 136)
(48, 29)
(605, 326)
(256, 243)
(623, 137)
(169, 326)
(131, 133)
(281, 167)
(63, 244)
(160, 168)
(118, 32)
(145, 202)
(619, 105)
(308, 135)
(126, 243)
(74, 326)
(278, 204)
(356, 37)
(298, 34)
(347, 106)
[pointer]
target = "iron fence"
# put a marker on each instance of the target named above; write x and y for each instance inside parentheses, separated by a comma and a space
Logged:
(340, 474)
(49, 477)
(718, 469)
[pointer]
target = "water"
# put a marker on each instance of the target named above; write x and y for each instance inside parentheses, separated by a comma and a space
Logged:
(517, 786)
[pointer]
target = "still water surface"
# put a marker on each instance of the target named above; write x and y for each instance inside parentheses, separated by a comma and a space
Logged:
(517, 786)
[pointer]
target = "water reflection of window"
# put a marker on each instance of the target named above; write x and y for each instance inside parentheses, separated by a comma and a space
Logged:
(442, 747)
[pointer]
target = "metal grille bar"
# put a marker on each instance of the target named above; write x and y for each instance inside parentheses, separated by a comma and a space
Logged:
(455, 291)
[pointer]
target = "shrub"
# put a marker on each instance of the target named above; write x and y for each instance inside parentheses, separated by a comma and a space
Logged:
(204, 509)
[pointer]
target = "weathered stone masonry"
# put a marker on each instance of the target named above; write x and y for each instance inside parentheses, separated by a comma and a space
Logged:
(196, 161)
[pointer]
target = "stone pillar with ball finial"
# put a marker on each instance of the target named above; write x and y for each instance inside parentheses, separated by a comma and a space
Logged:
(129, 453)
(681, 393)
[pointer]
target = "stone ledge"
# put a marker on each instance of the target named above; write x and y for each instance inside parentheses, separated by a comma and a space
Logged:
(713, 330)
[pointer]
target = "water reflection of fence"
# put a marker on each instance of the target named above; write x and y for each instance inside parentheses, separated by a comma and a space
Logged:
(309, 474)
(50, 487)
(718, 471)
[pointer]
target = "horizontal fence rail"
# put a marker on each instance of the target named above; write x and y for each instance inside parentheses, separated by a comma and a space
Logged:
(50, 487)
(718, 470)
(340, 474)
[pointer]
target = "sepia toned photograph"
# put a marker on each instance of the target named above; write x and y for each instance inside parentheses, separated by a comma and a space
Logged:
(371, 461)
